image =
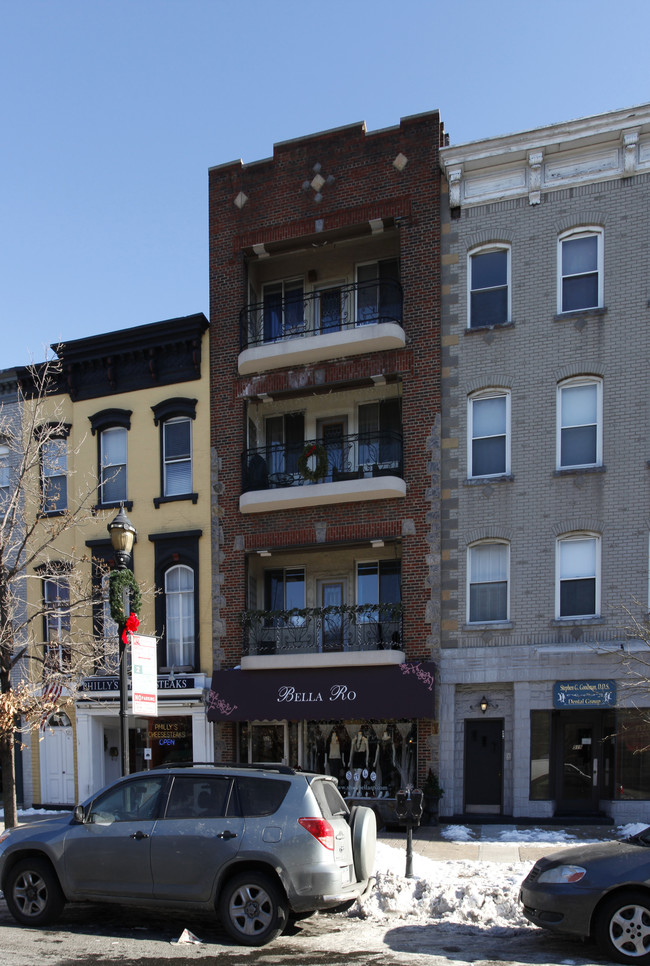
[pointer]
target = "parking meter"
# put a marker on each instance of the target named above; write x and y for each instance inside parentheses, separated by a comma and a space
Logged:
(408, 809)
(401, 804)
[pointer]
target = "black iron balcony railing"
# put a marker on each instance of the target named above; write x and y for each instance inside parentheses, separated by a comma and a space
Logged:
(323, 630)
(292, 314)
(330, 460)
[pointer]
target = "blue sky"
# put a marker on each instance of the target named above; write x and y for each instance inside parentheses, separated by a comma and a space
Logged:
(113, 110)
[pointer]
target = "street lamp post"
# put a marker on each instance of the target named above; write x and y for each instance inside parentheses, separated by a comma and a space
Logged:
(122, 533)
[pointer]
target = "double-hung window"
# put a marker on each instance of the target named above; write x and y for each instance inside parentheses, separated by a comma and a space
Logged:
(177, 456)
(56, 612)
(579, 423)
(180, 621)
(488, 568)
(488, 436)
(111, 427)
(54, 467)
(580, 275)
(5, 474)
(489, 287)
(113, 465)
(577, 568)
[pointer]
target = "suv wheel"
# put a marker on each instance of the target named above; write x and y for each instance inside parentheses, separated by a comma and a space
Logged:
(252, 908)
(33, 893)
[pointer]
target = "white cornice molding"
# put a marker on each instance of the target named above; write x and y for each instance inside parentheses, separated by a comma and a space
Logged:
(599, 148)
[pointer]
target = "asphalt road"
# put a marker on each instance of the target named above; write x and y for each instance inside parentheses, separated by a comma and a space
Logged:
(95, 935)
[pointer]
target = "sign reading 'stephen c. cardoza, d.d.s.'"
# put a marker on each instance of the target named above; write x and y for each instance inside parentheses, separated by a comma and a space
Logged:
(396, 691)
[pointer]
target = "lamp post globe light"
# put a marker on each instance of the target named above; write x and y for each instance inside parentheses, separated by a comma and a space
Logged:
(123, 610)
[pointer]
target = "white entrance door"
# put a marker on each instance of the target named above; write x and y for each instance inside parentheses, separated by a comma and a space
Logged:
(57, 762)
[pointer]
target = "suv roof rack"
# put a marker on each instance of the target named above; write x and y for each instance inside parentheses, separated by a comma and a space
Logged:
(256, 766)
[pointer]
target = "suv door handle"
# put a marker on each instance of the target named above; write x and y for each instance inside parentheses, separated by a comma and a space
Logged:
(227, 834)
(139, 835)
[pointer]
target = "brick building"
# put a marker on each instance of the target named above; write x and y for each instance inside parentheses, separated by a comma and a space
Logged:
(545, 511)
(324, 287)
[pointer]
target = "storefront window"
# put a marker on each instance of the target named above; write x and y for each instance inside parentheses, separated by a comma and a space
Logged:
(170, 740)
(540, 755)
(369, 759)
(632, 742)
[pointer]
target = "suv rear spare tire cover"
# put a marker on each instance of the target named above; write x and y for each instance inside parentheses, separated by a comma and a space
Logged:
(363, 825)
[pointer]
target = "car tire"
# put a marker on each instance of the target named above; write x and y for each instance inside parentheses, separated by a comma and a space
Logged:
(32, 893)
(622, 927)
(253, 909)
(363, 827)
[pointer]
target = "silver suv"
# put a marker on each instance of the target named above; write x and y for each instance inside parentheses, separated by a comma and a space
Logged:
(257, 844)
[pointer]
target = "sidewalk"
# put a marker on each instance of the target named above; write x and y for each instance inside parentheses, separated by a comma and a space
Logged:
(497, 843)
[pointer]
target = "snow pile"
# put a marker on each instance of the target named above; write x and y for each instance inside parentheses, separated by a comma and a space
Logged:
(480, 893)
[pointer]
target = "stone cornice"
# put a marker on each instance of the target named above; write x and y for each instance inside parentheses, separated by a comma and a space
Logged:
(530, 163)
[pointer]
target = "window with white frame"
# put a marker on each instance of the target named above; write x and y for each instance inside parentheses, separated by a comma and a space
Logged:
(579, 423)
(56, 612)
(113, 486)
(489, 432)
(487, 572)
(179, 612)
(578, 571)
(489, 286)
(177, 456)
(54, 469)
(580, 275)
(5, 472)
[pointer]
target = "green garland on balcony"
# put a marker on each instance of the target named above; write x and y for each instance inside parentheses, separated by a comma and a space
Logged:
(320, 467)
(121, 580)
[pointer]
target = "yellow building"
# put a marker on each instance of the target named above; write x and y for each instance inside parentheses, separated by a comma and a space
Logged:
(133, 409)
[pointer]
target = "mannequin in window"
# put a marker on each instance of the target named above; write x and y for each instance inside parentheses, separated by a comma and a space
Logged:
(386, 764)
(335, 761)
(359, 760)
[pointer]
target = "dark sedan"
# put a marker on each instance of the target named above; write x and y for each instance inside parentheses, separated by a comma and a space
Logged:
(602, 891)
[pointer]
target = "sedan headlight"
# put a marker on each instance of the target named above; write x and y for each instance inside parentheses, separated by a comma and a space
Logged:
(563, 873)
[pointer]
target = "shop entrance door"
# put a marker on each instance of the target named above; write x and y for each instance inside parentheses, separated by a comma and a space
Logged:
(578, 762)
(484, 765)
(268, 744)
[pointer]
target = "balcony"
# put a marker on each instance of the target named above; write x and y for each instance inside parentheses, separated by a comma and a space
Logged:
(323, 637)
(291, 327)
(340, 469)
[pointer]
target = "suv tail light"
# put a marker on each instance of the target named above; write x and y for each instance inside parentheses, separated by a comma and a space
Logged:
(320, 829)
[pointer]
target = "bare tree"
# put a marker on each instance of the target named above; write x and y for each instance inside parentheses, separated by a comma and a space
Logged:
(47, 639)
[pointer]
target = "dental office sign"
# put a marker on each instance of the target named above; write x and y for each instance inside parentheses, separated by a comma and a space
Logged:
(144, 676)
(584, 694)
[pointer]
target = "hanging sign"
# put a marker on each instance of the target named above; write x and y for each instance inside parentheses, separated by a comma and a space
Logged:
(144, 676)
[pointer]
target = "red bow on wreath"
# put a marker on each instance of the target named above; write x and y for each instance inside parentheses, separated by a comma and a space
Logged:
(132, 624)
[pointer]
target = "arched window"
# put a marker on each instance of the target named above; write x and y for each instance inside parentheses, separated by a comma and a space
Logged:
(580, 270)
(488, 566)
(179, 616)
(489, 286)
(488, 440)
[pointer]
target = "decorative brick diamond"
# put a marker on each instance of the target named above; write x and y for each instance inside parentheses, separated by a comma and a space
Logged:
(400, 162)
(241, 200)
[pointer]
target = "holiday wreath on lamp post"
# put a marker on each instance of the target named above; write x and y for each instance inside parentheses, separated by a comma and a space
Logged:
(119, 581)
(312, 462)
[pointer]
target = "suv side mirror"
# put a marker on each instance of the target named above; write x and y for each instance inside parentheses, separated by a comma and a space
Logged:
(79, 814)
